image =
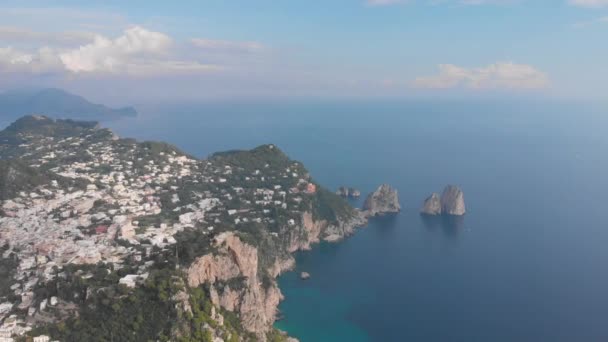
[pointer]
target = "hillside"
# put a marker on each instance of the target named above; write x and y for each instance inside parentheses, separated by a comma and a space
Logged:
(106, 237)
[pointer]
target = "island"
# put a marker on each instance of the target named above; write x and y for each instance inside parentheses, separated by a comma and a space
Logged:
(56, 103)
(106, 238)
(451, 203)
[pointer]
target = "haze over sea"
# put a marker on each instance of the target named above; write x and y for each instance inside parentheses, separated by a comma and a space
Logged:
(527, 263)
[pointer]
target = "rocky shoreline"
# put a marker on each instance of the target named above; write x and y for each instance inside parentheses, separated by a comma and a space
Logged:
(257, 306)
(201, 241)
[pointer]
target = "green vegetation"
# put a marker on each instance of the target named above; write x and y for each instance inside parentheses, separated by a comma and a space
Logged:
(153, 311)
(8, 267)
(191, 244)
(268, 159)
(260, 195)
(200, 321)
(276, 336)
(156, 148)
(326, 205)
(254, 159)
(112, 312)
(17, 176)
(43, 125)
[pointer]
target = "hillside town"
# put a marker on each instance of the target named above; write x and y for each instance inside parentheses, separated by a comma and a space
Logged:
(116, 202)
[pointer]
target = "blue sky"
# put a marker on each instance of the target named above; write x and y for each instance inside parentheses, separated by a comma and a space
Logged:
(340, 48)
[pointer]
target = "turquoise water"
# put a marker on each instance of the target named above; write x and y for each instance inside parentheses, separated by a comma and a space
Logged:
(527, 263)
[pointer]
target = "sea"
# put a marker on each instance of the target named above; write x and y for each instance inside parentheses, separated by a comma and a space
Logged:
(528, 262)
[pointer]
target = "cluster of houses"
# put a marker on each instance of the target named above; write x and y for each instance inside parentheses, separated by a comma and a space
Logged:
(55, 225)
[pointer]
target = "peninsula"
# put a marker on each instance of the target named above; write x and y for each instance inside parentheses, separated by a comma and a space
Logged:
(56, 103)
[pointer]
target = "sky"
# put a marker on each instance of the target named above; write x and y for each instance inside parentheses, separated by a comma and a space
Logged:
(140, 51)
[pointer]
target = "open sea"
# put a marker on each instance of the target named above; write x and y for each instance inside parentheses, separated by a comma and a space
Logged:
(527, 263)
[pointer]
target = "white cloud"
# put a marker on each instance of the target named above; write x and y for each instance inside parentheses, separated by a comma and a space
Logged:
(42, 61)
(137, 51)
(498, 75)
(589, 3)
(104, 54)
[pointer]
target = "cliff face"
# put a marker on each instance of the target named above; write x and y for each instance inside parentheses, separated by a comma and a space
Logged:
(232, 276)
(384, 200)
(226, 226)
(235, 276)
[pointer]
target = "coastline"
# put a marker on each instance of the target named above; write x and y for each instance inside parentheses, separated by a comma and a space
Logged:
(361, 221)
(292, 265)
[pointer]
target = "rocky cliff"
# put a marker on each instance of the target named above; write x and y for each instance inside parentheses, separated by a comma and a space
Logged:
(385, 200)
(232, 276)
(241, 277)
(197, 244)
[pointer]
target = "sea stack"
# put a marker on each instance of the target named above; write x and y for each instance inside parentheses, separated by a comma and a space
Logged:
(450, 203)
(385, 200)
(432, 205)
(304, 275)
(348, 192)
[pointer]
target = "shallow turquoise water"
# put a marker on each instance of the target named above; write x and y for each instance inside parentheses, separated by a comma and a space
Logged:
(318, 310)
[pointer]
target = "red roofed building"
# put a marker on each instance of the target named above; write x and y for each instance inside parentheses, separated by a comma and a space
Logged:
(311, 188)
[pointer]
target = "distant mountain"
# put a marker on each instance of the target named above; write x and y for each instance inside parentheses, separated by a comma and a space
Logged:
(56, 103)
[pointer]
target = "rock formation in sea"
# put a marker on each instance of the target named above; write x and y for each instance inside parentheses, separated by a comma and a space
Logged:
(432, 205)
(348, 192)
(385, 200)
(450, 203)
(304, 275)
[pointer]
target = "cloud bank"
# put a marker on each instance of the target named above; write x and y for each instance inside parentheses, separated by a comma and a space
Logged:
(137, 51)
(505, 75)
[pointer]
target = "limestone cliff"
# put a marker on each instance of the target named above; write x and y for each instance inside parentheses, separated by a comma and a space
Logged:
(384, 200)
(232, 276)
(237, 276)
